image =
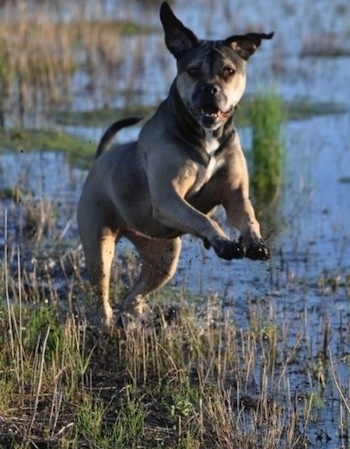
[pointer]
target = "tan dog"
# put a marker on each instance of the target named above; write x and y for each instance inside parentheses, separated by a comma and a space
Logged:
(187, 161)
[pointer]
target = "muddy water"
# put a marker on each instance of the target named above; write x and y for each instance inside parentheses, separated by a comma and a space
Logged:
(307, 280)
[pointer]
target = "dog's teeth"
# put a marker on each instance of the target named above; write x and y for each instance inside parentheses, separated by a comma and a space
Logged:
(210, 114)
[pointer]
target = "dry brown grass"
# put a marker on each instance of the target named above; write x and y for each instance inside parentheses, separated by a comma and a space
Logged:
(192, 384)
(187, 385)
(39, 54)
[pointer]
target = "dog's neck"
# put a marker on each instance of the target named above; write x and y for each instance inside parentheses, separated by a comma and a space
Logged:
(212, 143)
(216, 140)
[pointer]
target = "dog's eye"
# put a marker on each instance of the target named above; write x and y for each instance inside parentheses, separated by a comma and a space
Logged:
(193, 72)
(228, 72)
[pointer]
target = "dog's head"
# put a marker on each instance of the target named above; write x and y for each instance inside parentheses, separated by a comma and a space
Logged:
(211, 74)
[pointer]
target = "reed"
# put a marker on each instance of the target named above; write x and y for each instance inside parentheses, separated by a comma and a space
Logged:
(267, 146)
(41, 53)
(185, 386)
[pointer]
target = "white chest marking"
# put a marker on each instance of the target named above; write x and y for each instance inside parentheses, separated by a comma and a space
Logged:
(211, 168)
(212, 143)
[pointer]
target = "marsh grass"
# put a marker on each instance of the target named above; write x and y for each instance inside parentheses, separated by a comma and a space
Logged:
(192, 384)
(79, 151)
(268, 149)
(267, 114)
(41, 53)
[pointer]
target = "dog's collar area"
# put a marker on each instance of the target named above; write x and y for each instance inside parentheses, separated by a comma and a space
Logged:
(215, 141)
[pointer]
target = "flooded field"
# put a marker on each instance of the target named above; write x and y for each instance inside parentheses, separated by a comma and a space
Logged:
(304, 291)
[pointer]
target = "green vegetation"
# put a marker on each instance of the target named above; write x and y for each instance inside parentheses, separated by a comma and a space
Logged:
(267, 148)
(100, 117)
(79, 151)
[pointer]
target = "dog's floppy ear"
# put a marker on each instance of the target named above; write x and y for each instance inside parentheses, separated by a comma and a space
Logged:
(178, 38)
(245, 45)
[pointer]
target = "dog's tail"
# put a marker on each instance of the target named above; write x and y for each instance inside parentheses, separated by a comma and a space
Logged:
(107, 137)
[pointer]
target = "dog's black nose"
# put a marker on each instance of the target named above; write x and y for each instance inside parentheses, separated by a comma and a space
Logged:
(210, 89)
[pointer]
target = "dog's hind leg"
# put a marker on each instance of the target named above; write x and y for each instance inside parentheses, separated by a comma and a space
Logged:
(99, 248)
(159, 258)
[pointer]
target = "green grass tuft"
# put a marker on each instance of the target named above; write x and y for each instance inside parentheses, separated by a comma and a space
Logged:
(78, 150)
(267, 147)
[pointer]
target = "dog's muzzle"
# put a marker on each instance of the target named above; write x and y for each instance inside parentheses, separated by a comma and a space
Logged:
(206, 107)
(211, 117)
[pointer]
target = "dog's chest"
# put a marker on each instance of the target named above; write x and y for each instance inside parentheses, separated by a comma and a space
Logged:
(211, 143)
(215, 162)
(205, 173)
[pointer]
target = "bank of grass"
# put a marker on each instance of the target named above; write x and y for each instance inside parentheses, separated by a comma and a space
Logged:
(79, 151)
(191, 384)
(181, 387)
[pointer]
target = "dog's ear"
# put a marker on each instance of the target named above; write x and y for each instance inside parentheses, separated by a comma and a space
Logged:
(246, 44)
(178, 38)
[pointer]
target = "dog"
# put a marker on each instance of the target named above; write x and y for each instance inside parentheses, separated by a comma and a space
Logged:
(186, 161)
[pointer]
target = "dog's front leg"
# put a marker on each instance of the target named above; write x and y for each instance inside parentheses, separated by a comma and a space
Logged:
(168, 190)
(184, 218)
(241, 215)
(239, 209)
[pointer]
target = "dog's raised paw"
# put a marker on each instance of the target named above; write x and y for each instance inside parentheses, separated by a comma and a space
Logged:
(228, 250)
(258, 252)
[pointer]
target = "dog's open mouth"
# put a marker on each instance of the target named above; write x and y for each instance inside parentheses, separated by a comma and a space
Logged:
(211, 115)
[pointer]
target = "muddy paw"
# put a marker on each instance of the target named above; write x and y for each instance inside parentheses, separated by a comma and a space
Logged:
(258, 252)
(228, 250)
